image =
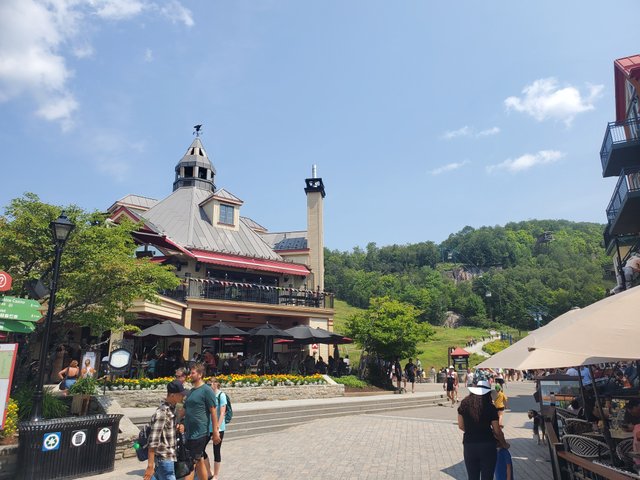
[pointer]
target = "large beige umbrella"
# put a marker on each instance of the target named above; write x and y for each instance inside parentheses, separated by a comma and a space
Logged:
(517, 354)
(604, 331)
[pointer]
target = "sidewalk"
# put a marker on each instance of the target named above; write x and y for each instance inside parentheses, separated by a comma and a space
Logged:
(413, 444)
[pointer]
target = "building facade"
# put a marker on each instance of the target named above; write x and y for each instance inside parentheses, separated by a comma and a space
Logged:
(620, 157)
(231, 268)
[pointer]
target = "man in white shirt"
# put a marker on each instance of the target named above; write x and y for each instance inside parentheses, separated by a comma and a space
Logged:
(572, 371)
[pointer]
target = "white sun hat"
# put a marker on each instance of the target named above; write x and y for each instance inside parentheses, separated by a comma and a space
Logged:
(481, 388)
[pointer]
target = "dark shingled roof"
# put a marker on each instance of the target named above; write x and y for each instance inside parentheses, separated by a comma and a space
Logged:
(299, 243)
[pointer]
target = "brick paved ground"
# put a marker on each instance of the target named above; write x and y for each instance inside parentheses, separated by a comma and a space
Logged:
(415, 444)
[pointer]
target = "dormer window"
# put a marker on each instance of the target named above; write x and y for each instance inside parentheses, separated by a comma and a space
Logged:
(226, 214)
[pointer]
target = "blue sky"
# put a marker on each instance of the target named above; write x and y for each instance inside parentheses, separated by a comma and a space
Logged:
(422, 117)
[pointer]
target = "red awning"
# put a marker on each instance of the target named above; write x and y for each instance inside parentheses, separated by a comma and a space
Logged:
(459, 352)
(251, 263)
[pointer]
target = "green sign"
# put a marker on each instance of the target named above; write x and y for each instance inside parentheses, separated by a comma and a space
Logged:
(16, 327)
(12, 308)
(19, 301)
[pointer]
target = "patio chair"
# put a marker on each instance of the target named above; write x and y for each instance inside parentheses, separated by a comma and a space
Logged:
(622, 449)
(576, 426)
(586, 447)
(566, 413)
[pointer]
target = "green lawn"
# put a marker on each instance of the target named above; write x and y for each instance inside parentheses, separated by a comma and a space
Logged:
(434, 352)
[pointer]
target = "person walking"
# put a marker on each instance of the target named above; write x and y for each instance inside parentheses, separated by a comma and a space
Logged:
(200, 413)
(69, 376)
(162, 438)
(410, 374)
(433, 374)
(500, 402)
(478, 419)
(449, 385)
(397, 373)
(221, 410)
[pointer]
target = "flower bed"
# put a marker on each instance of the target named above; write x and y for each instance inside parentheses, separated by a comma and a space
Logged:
(226, 381)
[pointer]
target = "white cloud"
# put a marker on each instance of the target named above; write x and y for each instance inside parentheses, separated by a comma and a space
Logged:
(176, 12)
(112, 153)
(118, 9)
(448, 167)
(544, 99)
(467, 131)
(461, 132)
(527, 161)
(148, 55)
(488, 132)
(36, 36)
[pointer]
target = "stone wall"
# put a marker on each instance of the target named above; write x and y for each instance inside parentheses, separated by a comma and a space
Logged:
(151, 398)
(8, 462)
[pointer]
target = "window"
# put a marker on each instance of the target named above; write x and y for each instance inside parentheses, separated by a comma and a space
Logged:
(226, 214)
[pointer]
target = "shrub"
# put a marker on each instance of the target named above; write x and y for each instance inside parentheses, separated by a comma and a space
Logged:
(496, 346)
(351, 381)
(52, 406)
(84, 386)
(11, 424)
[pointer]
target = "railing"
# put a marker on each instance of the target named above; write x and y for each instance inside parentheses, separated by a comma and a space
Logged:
(629, 181)
(617, 133)
(211, 289)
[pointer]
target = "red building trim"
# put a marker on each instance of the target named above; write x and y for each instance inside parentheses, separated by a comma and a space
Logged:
(251, 263)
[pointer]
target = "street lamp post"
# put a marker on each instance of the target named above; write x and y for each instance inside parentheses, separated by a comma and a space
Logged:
(60, 229)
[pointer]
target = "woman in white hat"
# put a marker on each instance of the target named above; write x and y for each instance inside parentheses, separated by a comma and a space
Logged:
(478, 419)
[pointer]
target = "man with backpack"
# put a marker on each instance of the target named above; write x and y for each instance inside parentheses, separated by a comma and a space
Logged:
(161, 442)
(200, 421)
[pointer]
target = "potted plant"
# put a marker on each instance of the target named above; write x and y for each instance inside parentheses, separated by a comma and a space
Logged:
(81, 392)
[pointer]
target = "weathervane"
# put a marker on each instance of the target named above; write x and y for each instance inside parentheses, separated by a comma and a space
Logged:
(197, 129)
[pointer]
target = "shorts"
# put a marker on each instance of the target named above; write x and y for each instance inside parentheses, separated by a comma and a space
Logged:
(196, 447)
(500, 409)
(450, 388)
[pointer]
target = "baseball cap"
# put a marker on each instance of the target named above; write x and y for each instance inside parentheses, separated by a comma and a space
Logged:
(481, 388)
(175, 387)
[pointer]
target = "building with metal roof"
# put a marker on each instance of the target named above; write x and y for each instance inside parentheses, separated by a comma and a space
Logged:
(231, 267)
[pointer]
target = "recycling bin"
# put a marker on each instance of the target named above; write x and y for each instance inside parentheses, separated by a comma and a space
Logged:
(65, 448)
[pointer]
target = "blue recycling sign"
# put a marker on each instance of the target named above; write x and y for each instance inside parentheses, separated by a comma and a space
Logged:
(51, 441)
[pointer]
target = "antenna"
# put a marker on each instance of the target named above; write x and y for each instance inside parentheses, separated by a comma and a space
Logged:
(197, 129)
(314, 171)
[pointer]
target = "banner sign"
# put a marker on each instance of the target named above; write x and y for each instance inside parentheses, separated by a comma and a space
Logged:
(8, 354)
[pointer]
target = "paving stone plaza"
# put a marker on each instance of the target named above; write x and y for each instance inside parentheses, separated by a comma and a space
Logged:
(408, 444)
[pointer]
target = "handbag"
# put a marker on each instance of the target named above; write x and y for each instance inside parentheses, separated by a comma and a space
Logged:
(184, 464)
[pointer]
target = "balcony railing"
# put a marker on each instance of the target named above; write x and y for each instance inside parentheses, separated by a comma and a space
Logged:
(212, 289)
(628, 182)
(619, 134)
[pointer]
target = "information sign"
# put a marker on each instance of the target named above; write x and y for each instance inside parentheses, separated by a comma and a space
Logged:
(104, 434)
(5, 281)
(14, 308)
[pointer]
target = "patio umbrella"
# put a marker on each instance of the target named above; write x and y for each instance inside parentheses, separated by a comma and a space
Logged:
(520, 355)
(167, 329)
(605, 331)
(268, 332)
(223, 330)
(305, 335)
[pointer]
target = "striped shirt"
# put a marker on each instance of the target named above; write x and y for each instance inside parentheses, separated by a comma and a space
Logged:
(162, 437)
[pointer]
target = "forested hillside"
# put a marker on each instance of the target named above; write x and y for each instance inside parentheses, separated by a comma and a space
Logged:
(510, 274)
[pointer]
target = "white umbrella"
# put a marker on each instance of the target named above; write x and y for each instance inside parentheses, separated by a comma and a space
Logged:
(604, 331)
(517, 354)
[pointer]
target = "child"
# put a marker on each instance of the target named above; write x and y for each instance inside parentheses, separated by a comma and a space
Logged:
(504, 466)
(500, 403)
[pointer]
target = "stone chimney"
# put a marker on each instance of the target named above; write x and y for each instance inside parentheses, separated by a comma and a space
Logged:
(315, 230)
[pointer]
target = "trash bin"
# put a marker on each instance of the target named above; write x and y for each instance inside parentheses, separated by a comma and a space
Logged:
(65, 448)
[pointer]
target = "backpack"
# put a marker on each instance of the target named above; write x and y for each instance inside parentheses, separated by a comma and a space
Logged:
(141, 445)
(228, 415)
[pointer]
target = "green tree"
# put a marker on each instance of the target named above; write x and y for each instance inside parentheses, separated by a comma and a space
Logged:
(389, 328)
(100, 276)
